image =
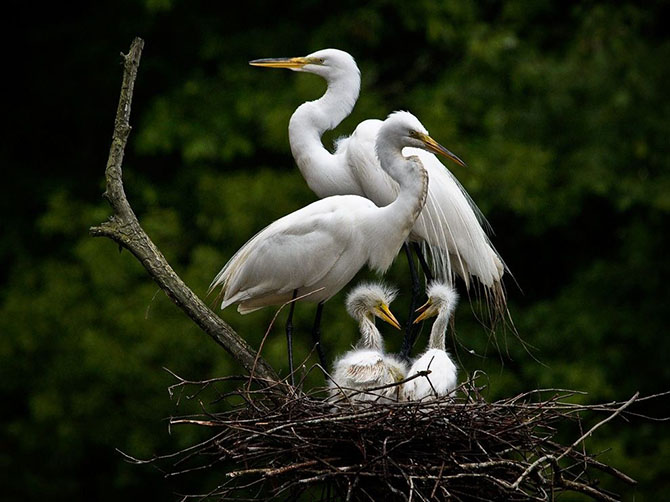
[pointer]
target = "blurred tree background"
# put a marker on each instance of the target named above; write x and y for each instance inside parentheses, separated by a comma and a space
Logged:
(558, 108)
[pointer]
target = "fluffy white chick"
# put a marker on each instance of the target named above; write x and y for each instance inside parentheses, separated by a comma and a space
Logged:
(443, 376)
(367, 366)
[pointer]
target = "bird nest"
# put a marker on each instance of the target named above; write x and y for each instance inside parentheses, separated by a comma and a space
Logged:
(276, 442)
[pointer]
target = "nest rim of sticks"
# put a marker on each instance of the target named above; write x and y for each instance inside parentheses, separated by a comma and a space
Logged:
(275, 441)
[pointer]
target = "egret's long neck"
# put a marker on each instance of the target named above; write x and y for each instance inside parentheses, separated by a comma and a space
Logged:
(439, 330)
(313, 118)
(412, 179)
(370, 336)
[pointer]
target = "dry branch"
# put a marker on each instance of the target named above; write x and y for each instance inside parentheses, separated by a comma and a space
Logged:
(124, 228)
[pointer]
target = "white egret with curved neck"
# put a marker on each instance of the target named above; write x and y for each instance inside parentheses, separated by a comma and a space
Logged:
(449, 226)
(367, 366)
(318, 249)
(443, 376)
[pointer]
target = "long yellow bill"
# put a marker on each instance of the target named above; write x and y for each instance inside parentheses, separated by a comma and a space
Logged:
(385, 314)
(281, 62)
(435, 147)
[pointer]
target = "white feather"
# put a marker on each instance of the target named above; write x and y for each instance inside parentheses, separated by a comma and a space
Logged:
(318, 249)
(449, 226)
(367, 366)
(443, 376)
(441, 380)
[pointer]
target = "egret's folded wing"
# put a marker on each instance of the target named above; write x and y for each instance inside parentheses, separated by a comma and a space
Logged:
(368, 374)
(294, 252)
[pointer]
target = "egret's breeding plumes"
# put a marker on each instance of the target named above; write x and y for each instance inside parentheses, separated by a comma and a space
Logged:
(359, 374)
(449, 226)
(318, 249)
(442, 379)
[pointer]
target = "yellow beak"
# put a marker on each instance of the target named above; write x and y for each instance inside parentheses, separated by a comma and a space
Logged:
(281, 62)
(425, 311)
(435, 147)
(385, 314)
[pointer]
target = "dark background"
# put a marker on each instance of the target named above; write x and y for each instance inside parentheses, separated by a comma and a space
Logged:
(560, 110)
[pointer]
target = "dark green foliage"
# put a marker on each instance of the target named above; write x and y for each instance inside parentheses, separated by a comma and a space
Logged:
(559, 108)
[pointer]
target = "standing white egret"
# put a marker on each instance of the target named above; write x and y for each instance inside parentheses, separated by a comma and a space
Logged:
(318, 249)
(367, 366)
(449, 225)
(442, 300)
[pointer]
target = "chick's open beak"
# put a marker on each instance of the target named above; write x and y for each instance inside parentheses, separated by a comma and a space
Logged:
(290, 63)
(385, 314)
(435, 147)
(426, 311)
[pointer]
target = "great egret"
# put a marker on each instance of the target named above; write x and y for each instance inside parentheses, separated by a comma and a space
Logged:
(367, 366)
(318, 249)
(449, 226)
(442, 379)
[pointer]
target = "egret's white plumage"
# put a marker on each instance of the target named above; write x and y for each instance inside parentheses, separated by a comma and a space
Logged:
(320, 247)
(449, 226)
(443, 377)
(367, 366)
(326, 173)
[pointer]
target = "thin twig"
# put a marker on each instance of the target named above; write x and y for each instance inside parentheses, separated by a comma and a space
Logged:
(460, 448)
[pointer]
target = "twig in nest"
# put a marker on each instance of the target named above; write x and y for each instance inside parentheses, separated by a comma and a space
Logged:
(458, 449)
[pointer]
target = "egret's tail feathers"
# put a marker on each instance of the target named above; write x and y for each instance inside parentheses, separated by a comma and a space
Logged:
(451, 228)
(242, 309)
(229, 273)
(483, 282)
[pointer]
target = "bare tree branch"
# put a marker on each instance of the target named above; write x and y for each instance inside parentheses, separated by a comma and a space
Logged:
(124, 228)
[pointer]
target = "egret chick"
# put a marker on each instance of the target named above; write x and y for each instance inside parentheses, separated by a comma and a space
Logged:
(367, 366)
(443, 378)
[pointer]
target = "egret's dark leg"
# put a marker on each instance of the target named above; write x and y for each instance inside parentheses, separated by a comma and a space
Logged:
(411, 329)
(422, 260)
(316, 335)
(289, 336)
(413, 333)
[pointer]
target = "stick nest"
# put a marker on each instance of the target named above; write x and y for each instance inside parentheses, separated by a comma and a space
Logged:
(276, 442)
